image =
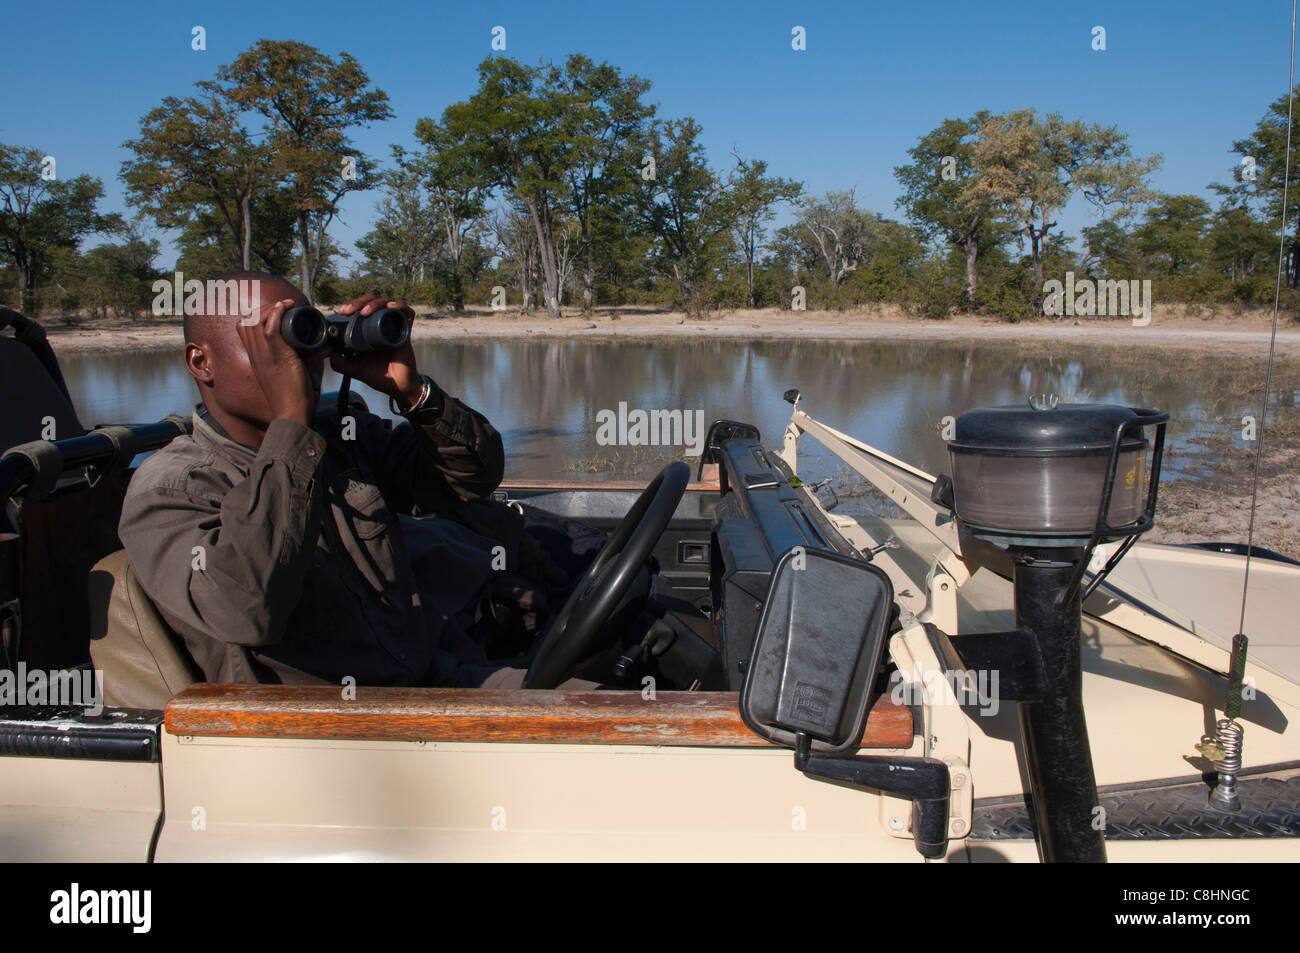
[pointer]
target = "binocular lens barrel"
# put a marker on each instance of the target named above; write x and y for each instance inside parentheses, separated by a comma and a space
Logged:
(386, 329)
(303, 328)
(307, 330)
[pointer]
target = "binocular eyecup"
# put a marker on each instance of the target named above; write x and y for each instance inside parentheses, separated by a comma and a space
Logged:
(307, 330)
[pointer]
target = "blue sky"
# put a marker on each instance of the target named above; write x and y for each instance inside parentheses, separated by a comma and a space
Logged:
(1182, 79)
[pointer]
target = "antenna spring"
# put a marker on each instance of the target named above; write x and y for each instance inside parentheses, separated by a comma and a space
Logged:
(1228, 737)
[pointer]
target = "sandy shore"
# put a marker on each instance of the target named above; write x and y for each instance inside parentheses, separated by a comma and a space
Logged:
(1218, 332)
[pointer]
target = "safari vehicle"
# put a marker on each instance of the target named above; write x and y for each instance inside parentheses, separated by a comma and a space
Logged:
(996, 671)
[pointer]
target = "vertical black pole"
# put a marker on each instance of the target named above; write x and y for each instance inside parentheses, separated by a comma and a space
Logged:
(1058, 759)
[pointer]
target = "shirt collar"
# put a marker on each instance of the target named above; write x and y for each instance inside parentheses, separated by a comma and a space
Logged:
(209, 431)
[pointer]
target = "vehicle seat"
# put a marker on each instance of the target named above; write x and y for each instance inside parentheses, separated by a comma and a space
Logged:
(144, 662)
(30, 395)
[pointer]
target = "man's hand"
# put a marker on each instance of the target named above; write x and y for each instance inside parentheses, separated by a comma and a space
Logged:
(390, 372)
(282, 374)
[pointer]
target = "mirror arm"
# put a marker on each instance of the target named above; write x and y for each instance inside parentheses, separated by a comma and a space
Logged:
(925, 781)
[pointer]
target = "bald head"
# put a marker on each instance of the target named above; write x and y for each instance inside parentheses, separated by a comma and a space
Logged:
(229, 299)
(217, 356)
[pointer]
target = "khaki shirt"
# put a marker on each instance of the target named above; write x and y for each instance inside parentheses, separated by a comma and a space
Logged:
(287, 562)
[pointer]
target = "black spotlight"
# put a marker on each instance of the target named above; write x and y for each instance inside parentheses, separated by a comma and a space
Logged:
(1046, 483)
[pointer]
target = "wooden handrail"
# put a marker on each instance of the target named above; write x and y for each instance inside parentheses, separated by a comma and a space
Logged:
(682, 719)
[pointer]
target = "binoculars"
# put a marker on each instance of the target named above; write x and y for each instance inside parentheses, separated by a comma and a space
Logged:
(307, 331)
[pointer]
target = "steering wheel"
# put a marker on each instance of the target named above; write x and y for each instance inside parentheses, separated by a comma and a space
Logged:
(576, 631)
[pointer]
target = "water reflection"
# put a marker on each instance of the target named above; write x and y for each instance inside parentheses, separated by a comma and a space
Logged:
(544, 395)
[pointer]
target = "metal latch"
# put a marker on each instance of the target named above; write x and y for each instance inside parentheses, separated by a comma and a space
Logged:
(501, 496)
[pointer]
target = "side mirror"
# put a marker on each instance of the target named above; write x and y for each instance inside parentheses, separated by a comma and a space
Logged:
(812, 677)
(820, 640)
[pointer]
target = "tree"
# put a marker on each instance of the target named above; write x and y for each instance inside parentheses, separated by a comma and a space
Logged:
(458, 192)
(754, 199)
(40, 214)
(838, 231)
(405, 240)
(516, 245)
(1111, 250)
(556, 141)
(939, 195)
(1261, 181)
(205, 245)
(195, 162)
(1172, 233)
(1031, 167)
(114, 276)
(310, 102)
(608, 121)
(1240, 246)
(687, 207)
(518, 132)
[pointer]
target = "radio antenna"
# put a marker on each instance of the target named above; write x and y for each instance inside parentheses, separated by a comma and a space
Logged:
(1272, 344)
(1226, 746)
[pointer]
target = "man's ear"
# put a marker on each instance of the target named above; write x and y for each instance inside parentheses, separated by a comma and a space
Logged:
(198, 363)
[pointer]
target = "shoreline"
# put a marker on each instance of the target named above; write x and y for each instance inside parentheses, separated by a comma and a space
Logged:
(1243, 336)
(1211, 506)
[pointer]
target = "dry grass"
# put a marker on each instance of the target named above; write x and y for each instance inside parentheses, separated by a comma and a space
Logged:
(625, 463)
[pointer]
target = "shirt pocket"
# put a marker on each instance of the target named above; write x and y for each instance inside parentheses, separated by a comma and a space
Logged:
(364, 510)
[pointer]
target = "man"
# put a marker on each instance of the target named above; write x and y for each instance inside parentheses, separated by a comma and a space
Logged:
(272, 548)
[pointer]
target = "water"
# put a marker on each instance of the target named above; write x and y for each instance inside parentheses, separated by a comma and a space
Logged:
(544, 395)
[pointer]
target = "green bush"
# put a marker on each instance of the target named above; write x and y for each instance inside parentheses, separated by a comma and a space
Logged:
(1007, 290)
(932, 291)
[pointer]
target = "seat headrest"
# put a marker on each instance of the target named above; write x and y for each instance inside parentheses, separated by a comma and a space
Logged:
(29, 395)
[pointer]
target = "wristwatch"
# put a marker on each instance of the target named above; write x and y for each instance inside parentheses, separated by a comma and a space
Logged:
(430, 399)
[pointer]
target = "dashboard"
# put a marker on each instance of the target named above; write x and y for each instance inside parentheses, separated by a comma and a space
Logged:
(759, 517)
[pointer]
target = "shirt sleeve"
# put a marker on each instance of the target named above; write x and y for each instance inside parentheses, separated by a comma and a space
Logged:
(230, 565)
(433, 462)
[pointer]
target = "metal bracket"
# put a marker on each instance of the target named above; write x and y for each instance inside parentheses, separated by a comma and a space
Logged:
(945, 734)
(501, 496)
(941, 587)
